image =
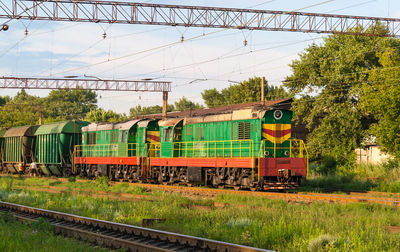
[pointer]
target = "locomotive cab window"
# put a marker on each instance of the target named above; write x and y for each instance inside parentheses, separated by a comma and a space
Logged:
(167, 135)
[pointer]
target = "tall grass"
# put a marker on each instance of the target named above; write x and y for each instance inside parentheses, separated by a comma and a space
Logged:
(361, 177)
(15, 236)
(249, 220)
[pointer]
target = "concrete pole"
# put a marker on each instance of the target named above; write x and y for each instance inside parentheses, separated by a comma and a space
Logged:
(165, 103)
(262, 90)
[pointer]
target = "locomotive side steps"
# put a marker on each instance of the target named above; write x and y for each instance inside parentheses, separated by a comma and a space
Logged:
(117, 235)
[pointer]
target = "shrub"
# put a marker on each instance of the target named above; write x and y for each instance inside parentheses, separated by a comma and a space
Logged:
(322, 243)
(103, 182)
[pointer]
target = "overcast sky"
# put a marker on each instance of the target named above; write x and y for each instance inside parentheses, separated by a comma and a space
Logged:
(58, 49)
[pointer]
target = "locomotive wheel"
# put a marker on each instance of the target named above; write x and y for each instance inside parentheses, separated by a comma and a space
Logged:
(236, 188)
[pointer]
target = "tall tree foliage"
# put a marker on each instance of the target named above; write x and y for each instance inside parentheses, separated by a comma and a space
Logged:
(381, 100)
(181, 105)
(328, 78)
(19, 110)
(23, 109)
(244, 92)
(185, 104)
(69, 104)
(101, 115)
(139, 110)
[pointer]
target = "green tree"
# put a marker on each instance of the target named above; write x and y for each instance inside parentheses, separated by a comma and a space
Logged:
(139, 110)
(69, 104)
(19, 110)
(101, 115)
(244, 92)
(185, 104)
(328, 79)
(4, 100)
(381, 100)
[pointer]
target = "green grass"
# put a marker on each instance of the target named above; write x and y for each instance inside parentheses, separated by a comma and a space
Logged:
(362, 177)
(248, 220)
(15, 236)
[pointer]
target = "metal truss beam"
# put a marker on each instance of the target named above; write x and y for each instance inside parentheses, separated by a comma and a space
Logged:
(86, 84)
(195, 16)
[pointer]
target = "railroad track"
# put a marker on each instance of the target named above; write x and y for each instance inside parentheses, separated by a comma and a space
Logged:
(117, 235)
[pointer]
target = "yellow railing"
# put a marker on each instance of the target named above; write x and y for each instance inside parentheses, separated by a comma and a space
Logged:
(205, 149)
(293, 148)
(106, 150)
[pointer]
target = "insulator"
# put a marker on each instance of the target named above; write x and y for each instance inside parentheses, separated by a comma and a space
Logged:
(26, 32)
(104, 35)
(245, 42)
(182, 38)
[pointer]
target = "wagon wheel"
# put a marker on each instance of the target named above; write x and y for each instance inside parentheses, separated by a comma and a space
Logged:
(67, 172)
(236, 188)
(253, 189)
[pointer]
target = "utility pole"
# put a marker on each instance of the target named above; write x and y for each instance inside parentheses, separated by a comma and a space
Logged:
(164, 105)
(262, 90)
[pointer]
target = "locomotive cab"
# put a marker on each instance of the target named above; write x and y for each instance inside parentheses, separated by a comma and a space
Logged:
(283, 160)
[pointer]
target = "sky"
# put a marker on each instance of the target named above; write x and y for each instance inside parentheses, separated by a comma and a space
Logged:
(58, 49)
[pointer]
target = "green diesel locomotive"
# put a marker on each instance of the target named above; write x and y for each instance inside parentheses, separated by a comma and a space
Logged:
(246, 146)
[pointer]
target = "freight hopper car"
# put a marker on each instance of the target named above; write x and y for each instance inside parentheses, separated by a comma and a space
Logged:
(55, 144)
(18, 148)
(2, 132)
(249, 146)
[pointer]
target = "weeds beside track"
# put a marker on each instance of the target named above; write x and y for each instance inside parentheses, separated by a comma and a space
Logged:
(117, 235)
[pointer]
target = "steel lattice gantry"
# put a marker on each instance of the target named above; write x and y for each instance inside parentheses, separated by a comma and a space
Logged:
(195, 16)
(88, 84)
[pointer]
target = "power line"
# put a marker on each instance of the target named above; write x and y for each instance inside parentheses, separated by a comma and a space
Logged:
(178, 42)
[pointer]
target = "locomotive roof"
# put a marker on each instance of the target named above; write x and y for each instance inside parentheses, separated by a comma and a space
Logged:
(225, 113)
(110, 126)
(229, 109)
(170, 122)
(144, 123)
(126, 125)
(61, 127)
(21, 131)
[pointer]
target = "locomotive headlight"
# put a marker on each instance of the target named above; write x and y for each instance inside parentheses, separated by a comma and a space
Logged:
(278, 114)
(287, 153)
(267, 153)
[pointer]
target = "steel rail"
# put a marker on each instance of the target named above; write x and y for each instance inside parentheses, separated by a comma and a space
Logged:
(86, 84)
(117, 235)
(196, 16)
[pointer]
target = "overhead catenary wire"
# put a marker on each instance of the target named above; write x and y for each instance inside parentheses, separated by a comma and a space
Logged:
(174, 43)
